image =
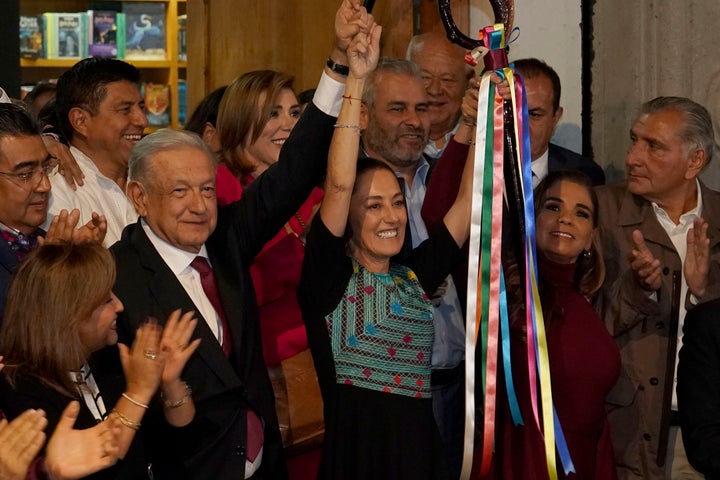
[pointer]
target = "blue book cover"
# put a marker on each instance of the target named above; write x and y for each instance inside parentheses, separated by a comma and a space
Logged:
(145, 37)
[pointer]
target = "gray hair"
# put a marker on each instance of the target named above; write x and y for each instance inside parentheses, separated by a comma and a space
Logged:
(397, 66)
(697, 130)
(158, 141)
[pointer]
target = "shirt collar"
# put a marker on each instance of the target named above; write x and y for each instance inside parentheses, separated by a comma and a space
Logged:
(686, 217)
(178, 260)
(432, 151)
(540, 167)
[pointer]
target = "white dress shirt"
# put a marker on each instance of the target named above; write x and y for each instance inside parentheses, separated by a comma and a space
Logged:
(99, 194)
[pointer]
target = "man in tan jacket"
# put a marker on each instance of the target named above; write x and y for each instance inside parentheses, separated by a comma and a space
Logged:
(661, 241)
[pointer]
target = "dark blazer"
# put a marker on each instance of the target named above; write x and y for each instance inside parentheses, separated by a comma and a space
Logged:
(560, 158)
(698, 388)
(213, 445)
(8, 264)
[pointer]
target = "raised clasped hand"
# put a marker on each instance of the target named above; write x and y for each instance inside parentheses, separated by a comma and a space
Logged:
(364, 51)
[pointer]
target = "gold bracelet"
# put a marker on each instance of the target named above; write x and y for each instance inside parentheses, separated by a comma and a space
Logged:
(126, 421)
(347, 125)
(133, 401)
(177, 403)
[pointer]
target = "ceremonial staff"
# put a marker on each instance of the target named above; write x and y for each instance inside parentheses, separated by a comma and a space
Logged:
(502, 239)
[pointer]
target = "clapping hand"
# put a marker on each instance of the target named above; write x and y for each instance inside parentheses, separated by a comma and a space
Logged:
(143, 363)
(74, 453)
(644, 264)
(62, 228)
(697, 258)
(175, 344)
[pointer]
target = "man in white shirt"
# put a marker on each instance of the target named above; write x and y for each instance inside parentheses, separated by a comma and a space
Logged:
(100, 112)
(659, 262)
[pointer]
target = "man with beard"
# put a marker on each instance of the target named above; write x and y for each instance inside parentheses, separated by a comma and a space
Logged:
(396, 125)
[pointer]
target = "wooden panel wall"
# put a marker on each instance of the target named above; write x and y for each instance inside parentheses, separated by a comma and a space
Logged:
(229, 37)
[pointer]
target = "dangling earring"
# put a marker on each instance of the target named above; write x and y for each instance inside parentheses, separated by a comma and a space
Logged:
(587, 254)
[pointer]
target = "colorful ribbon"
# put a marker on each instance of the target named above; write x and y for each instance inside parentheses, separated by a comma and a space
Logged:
(486, 284)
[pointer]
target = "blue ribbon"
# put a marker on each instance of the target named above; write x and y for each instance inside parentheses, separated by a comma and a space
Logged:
(507, 365)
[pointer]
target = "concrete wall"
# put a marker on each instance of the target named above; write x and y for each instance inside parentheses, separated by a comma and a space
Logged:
(556, 40)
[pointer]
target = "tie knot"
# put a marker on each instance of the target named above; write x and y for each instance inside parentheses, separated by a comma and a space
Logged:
(201, 265)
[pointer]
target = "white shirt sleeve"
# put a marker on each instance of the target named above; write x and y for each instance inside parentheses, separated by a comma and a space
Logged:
(328, 95)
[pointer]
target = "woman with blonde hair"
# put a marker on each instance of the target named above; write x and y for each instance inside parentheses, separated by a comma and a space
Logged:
(257, 113)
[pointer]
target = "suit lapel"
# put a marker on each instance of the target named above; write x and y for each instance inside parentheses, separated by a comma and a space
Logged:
(8, 260)
(169, 295)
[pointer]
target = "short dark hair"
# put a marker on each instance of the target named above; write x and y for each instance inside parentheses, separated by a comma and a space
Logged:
(40, 89)
(206, 111)
(532, 68)
(15, 121)
(84, 86)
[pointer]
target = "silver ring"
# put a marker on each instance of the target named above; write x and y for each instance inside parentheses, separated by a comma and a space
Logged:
(150, 354)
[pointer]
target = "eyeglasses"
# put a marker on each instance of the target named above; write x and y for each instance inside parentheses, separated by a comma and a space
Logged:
(34, 176)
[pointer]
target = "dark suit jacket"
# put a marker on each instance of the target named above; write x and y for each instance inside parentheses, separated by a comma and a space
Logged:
(213, 445)
(8, 264)
(560, 158)
(698, 388)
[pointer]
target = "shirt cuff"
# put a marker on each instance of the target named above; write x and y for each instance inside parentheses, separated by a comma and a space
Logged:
(328, 96)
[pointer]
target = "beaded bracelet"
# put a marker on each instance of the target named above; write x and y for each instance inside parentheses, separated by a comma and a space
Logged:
(350, 99)
(126, 421)
(177, 403)
(347, 125)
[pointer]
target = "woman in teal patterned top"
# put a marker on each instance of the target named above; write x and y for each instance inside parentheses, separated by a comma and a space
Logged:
(368, 319)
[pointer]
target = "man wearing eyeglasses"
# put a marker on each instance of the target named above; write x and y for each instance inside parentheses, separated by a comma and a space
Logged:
(25, 168)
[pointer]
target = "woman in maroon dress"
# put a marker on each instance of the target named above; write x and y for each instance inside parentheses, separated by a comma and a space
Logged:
(584, 360)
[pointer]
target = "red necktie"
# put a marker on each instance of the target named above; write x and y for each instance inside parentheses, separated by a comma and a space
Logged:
(207, 278)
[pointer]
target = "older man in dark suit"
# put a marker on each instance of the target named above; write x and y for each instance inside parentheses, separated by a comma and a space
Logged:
(187, 253)
(172, 185)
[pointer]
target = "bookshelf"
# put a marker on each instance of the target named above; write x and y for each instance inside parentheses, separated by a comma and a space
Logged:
(168, 71)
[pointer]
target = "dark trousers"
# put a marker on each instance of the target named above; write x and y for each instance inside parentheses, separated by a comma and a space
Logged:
(448, 394)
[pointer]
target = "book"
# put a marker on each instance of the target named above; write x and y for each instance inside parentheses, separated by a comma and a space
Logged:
(182, 37)
(106, 33)
(31, 36)
(157, 104)
(182, 101)
(145, 30)
(65, 35)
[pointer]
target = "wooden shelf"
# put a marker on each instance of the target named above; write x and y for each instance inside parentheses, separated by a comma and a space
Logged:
(168, 71)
